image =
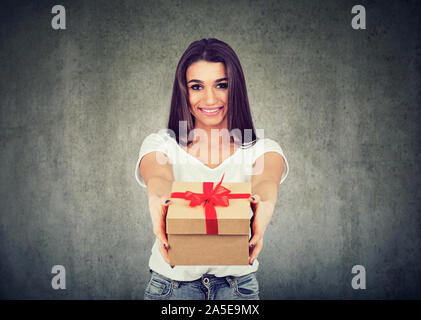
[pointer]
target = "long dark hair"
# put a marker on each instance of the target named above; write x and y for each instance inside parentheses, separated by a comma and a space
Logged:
(239, 115)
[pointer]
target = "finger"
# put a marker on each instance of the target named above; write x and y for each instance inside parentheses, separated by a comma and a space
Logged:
(255, 252)
(164, 205)
(162, 238)
(254, 203)
(162, 234)
(167, 203)
(164, 252)
(255, 199)
(254, 240)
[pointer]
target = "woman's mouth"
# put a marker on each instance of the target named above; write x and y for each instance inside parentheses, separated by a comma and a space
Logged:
(211, 112)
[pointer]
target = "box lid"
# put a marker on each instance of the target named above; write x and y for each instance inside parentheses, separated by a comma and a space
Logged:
(233, 219)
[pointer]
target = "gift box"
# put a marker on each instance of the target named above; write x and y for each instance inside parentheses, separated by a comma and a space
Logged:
(209, 224)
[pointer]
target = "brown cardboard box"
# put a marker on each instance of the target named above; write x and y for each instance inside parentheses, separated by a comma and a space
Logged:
(187, 228)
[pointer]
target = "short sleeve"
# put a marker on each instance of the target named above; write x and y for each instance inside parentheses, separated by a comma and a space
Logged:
(269, 145)
(153, 142)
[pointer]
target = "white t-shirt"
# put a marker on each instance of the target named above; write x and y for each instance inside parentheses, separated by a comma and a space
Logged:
(186, 167)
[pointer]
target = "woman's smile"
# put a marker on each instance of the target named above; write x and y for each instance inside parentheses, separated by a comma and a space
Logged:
(210, 112)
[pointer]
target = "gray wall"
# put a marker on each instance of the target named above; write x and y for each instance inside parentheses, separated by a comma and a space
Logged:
(343, 104)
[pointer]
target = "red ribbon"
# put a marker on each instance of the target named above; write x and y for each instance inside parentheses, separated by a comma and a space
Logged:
(210, 198)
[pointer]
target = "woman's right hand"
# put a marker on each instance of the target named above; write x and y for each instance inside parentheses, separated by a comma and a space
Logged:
(158, 207)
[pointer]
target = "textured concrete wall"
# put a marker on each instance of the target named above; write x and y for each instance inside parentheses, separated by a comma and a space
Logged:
(344, 105)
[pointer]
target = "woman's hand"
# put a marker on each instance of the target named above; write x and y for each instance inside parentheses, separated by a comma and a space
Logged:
(262, 213)
(158, 207)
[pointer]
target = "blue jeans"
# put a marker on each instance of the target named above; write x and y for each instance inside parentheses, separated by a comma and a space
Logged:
(208, 287)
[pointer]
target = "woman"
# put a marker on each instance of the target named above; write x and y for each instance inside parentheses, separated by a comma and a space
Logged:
(209, 96)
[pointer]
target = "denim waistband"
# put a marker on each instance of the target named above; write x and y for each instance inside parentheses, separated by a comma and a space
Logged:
(207, 279)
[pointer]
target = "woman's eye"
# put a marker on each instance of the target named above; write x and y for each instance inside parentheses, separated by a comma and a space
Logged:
(195, 87)
(219, 86)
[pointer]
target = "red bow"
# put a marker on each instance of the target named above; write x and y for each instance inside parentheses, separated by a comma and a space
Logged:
(210, 198)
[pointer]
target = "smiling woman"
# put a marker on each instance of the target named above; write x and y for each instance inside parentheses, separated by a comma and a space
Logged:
(209, 76)
(209, 95)
(208, 99)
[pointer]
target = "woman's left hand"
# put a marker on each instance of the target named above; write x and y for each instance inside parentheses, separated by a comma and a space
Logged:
(262, 213)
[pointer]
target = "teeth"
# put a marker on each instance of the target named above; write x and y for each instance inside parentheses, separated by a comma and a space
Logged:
(210, 111)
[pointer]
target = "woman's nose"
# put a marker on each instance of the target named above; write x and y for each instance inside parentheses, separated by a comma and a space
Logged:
(210, 97)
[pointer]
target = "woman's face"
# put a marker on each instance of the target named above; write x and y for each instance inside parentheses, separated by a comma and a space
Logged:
(207, 87)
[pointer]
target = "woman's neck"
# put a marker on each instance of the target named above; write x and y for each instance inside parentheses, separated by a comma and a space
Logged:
(221, 130)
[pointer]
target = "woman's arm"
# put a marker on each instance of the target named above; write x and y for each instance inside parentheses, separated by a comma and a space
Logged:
(158, 179)
(265, 193)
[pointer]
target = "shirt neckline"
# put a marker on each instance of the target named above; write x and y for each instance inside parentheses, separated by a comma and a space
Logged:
(204, 165)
